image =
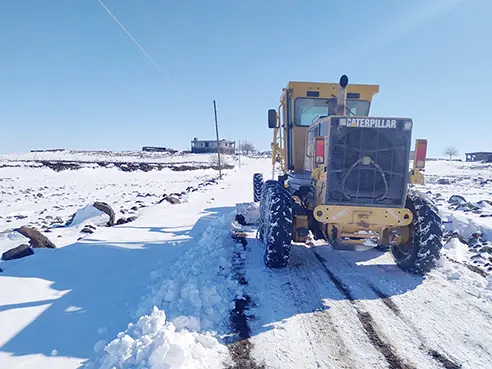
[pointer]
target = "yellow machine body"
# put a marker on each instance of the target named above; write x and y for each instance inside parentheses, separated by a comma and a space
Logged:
(357, 223)
(288, 147)
(291, 149)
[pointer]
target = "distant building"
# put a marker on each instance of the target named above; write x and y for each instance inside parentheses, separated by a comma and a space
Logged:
(210, 146)
(158, 149)
(479, 156)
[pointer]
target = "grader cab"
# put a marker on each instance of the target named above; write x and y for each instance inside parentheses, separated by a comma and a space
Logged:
(345, 179)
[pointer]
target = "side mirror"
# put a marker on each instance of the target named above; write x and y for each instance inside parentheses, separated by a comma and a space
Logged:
(272, 118)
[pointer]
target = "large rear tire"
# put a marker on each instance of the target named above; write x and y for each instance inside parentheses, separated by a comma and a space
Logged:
(257, 185)
(276, 224)
(423, 249)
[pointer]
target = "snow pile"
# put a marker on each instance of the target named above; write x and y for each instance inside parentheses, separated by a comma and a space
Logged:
(155, 343)
(177, 323)
(464, 224)
(200, 284)
(456, 250)
(469, 242)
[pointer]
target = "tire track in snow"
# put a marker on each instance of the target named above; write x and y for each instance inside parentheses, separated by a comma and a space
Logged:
(439, 357)
(376, 338)
(294, 327)
(320, 325)
(436, 355)
(446, 363)
(240, 350)
(302, 285)
(470, 267)
(479, 310)
(385, 299)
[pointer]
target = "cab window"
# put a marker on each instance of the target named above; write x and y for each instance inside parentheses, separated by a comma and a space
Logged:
(306, 109)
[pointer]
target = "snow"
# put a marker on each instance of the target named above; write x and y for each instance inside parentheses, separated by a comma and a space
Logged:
(188, 290)
(110, 156)
(154, 342)
(468, 218)
(45, 199)
(158, 292)
(75, 300)
(89, 214)
(456, 250)
(186, 309)
(489, 282)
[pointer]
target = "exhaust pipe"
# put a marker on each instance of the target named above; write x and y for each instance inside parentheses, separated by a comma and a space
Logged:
(341, 97)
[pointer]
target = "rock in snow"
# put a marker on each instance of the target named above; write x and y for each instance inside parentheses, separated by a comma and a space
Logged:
(17, 252)
(170, 199)
(443, 181)
(124, 220)
(37, 239)
(87, 229)
(457, 200)
(102, 206)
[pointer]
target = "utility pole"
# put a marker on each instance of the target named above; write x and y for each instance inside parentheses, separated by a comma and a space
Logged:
(239, 153)
(218, 143)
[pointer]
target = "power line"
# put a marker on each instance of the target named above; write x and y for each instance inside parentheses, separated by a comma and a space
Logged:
(135, 41)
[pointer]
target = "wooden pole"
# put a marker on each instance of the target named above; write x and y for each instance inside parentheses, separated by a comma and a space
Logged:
(218, 143)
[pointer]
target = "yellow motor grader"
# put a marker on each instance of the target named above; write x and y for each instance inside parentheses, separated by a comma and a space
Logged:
(345, 179)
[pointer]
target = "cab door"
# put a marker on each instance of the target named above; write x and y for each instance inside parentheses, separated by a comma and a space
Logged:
(309, 162)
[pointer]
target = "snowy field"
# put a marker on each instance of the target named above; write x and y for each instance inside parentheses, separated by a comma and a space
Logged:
(170, 289)
(100, 156)
(463, 193)
(127, 161)
(46, 199)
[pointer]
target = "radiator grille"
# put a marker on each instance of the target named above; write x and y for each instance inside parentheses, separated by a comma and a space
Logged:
(368, 166)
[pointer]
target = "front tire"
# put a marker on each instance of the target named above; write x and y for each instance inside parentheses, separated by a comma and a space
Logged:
(257, 185)
(276, 224)
(422, 251)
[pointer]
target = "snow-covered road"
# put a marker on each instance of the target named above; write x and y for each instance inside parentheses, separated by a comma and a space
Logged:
(172, 290)
(345, 309)
(342, 309)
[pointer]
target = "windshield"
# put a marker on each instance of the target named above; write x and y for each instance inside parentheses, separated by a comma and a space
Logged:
(306, 109)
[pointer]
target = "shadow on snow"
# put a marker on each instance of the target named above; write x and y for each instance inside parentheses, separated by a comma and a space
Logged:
(102, 282)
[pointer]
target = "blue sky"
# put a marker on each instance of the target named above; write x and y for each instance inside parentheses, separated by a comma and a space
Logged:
(70, 77)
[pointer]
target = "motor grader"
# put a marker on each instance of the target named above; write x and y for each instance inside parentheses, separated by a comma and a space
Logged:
(345, 178)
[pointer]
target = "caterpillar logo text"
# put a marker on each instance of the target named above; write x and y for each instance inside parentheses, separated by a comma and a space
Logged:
(368, 122)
